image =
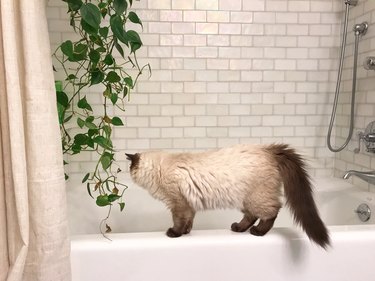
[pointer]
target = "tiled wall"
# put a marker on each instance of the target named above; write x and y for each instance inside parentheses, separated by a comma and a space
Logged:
(232, 71)
(365, 96)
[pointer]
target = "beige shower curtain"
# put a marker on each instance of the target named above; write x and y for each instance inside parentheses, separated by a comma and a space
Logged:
(34, 242)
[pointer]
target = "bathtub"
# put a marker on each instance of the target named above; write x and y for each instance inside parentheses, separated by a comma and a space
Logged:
(212, 252)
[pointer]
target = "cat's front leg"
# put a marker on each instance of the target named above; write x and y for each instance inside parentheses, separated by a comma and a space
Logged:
(183, 217)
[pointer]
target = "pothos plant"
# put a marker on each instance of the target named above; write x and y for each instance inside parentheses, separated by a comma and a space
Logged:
(104, 54)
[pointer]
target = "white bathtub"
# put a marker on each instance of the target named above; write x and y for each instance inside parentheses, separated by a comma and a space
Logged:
(212, 252)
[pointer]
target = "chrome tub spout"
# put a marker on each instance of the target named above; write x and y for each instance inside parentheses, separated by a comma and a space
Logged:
(368, 176)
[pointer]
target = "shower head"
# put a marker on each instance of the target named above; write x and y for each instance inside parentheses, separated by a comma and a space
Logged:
(351, 2)
(360, 28)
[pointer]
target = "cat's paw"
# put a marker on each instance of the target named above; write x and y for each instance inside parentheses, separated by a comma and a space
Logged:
(236, 227)
(255, 231)
(172, 233)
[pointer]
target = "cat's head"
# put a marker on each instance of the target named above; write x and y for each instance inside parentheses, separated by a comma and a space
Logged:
(143, 168)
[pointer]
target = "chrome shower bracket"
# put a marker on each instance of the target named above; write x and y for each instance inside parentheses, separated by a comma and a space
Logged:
(368, 137)
(369, 63)
(351, 2)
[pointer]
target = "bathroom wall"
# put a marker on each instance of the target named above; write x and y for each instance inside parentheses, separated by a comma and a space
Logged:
(227, 72)
(365, 96)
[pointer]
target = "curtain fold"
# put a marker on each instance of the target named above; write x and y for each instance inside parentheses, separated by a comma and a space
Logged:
(34, 241)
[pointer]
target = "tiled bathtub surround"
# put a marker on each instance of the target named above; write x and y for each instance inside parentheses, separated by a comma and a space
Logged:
(232, 71)
(365, 97)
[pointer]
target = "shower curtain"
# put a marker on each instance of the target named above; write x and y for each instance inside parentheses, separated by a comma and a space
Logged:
(34, 241)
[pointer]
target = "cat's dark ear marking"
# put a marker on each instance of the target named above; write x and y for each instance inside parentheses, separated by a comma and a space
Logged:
(130, 156)
(134, 158)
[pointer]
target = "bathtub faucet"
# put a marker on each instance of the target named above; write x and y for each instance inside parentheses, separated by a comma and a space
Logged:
(368, 176)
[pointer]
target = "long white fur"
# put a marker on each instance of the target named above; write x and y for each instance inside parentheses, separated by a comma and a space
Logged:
(219, 178)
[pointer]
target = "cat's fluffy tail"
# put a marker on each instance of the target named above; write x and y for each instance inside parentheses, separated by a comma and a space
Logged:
(298, 192)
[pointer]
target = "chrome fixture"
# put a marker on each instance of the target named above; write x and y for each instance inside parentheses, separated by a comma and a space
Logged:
(368, 137)
(351, 2)
(368, 176)
(360, 29)
(369, 63)
(364, 212)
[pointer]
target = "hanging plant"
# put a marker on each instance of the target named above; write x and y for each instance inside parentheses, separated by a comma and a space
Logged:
(104, 54)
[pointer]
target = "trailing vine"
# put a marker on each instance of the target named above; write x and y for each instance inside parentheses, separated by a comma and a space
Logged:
(104, 54)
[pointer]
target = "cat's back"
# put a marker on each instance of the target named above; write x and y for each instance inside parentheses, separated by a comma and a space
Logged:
(234, 159)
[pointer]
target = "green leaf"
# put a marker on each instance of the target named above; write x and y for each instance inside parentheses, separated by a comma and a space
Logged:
(113, 197)
(74, 5)
(61, 113)
(108, 60)
(113, 77)
(131, 2)
(89, 190)
(80, 139)
(80, 48)
(119, 49)
(66, 176)
(128, 81)
(91, 15)
(120, 6)
(114, 98)
(134, 39)
(116, 121)
(90, 119)
(94, 56)
(106, 160)
(133, 17)
(67, 119)
(88, 28)
(92, 132)
(85, 177)
(122, 206)
(103, 31)
(67, 48)
(107, 129)
(96, 77)
(62, 98)
(91, 125)
(83, 104)
(117, 27)
(103, 142)
(80, 122)
(102, 200)
(71, 77)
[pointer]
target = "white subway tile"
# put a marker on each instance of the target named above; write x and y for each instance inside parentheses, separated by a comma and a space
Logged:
(183, 28)
(161, 4)
(218, 16)
(195, 16)
(254, 5)
(207, 5)
(230, 5)
(241, 17)
(207, 28)
(183, 4)
(299, 6)
(170, 16)
(264, 17)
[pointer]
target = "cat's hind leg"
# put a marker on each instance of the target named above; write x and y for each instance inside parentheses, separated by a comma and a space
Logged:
(263, 227)
(247, 221)
(183, 217)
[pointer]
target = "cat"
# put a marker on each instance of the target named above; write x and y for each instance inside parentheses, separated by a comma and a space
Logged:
(245, 177)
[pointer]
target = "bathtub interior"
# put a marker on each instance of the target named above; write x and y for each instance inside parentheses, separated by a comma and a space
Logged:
(336, 200)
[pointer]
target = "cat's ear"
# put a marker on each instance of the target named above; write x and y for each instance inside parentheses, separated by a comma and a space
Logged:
(134, 158)
(131, 157)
